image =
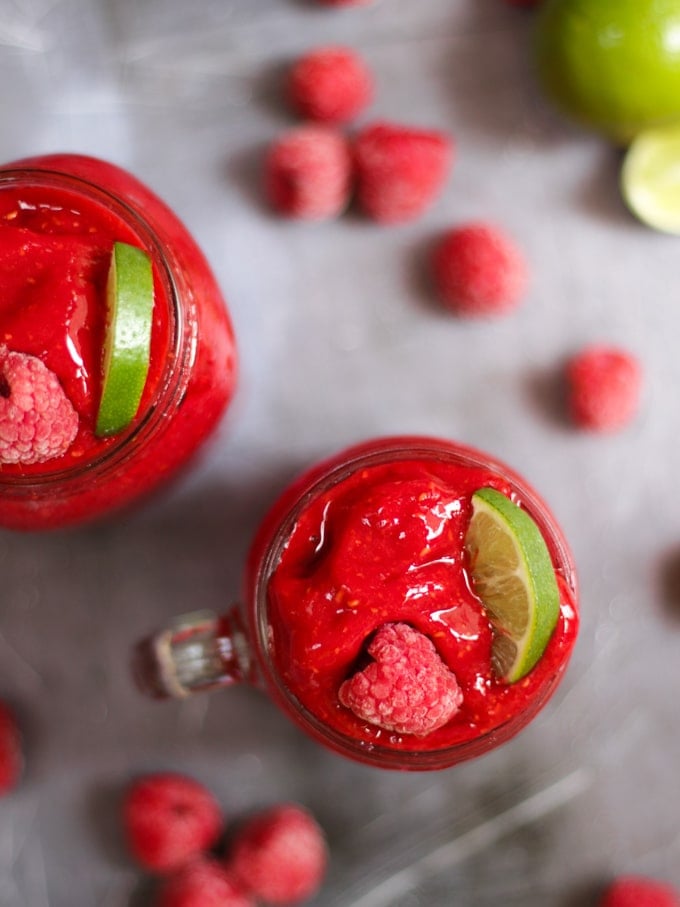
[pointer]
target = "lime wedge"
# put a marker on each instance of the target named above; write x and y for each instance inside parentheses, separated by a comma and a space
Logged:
(129, 298)
(650, 178)
(513, 575)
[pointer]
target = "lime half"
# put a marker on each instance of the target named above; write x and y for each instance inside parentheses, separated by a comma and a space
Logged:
(127, 344)
(513, 575)
(650, 178)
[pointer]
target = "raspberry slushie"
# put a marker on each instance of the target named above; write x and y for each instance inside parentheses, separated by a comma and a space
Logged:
(61, 216)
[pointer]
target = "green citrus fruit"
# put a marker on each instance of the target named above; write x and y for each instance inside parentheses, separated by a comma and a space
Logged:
(614, 65)
(513, 575)
(127, 344)
(650, 178)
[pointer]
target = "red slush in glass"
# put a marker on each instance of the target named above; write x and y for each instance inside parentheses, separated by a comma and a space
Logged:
(363, 619)
(60, 216)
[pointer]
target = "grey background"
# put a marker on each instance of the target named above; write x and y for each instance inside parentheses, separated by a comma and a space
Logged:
(340, 339)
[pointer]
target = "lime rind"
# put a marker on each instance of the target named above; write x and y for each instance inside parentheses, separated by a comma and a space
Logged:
(127, 345)
(499, 525)
(650, 178)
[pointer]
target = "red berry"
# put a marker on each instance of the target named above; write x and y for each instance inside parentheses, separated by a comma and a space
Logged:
(345, 2)
(400, 170)
(407, 688)
(37, 420)
(203, 883)
(603, 387)
(308, 173)
(638, 891)
(11, 761)
(479, 271)
(280, 855)
(331, 85)
(169, 819)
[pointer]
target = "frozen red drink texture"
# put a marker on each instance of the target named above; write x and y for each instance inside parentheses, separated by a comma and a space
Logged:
(59, 218)
(383, 543)
(361, 617)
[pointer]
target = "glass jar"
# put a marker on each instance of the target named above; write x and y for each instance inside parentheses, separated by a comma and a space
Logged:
(69, 209)
(339, 555)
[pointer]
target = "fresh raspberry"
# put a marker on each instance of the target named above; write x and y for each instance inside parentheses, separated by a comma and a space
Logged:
(638, 891)
(308, 173)
(479, 271)
(603, 388)
(400, 170)
(37, 420)
(169, 819)
(203, 883)
(11, 761)
(331, 85)
(407, 688)
(280, 855)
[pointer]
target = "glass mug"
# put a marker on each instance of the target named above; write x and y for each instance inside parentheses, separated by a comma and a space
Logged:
(59, 217)
(371, 537)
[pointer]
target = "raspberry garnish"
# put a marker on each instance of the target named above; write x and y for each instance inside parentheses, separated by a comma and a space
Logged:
(400, 170)
(407, 688)
(638, 891)
(603, 387)
(280, 855)
(11, 761)
(168, 819)
(203, 883)
(479, 271)
(308, 173)
(331, 85)
(37, 420)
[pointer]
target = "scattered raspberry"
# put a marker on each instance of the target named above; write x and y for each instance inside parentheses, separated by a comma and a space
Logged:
(331, 85)
(407, 688)
(345, 2)
(203, 883)
(169, 818)
(280, 855)
(11, 761)
(37, 420)
(604, 386)
(308, 173)
(637, 891)
(400, 170)
(479, 271)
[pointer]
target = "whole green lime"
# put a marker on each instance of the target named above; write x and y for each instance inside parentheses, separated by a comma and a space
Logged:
(613, 65)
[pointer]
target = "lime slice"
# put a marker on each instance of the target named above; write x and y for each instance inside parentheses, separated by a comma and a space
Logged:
(650, 178)
(513, 575)
(129, 297)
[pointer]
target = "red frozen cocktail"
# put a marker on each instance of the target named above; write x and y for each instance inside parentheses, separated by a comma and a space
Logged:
(371, 620)
(60, 217)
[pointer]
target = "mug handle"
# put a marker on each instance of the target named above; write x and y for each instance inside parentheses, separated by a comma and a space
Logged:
(197, 652)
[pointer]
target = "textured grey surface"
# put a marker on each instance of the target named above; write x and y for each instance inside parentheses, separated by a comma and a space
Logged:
(340, 340)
